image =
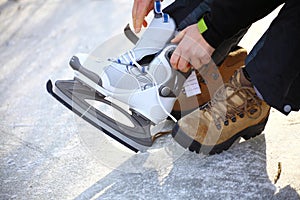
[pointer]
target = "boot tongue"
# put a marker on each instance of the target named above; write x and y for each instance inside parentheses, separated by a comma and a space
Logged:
(229, 96)
(235, 96)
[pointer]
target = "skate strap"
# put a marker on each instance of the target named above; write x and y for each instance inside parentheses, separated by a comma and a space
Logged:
(157, 7)
(158, 12)
(166, 18)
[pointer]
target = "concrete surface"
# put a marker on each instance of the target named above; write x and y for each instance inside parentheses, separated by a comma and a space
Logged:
(48, 153)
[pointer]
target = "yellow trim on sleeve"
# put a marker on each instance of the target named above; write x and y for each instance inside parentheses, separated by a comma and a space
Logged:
(202, 26)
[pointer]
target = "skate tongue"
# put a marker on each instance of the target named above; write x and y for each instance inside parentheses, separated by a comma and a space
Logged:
(159, 33)
(155, 38)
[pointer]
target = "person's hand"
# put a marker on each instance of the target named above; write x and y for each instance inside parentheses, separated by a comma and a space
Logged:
(192, 50)
(140, 10)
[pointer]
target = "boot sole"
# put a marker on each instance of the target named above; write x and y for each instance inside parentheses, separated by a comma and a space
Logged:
(189, 143)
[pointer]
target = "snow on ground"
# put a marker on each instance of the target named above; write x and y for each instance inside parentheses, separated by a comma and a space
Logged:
(48, 153)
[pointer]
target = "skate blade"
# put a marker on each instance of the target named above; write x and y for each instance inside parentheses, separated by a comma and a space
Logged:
(75, 96)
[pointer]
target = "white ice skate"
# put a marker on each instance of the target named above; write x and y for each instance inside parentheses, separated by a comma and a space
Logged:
(142, 79)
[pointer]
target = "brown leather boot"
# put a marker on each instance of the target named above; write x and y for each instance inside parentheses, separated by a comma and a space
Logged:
(234, 111)
(185, 105)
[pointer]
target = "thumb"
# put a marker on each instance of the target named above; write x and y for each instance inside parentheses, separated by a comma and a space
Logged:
(178, 37)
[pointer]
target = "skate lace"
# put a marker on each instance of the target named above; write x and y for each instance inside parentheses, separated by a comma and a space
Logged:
(215, 108)
(133, 67)
(140, 72)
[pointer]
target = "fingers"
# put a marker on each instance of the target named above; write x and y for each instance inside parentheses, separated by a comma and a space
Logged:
(138, 18)
(178, 37)
(134, 13)
(179, 62)
(140, 10)
(184, 58)
(176, 60)
(145, 24)
(183, 65)
(192, 50)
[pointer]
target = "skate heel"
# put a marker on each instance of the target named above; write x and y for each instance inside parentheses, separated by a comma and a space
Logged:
(255, 130)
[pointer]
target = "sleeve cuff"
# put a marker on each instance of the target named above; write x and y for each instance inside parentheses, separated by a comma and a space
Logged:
(202, 26)
(208, 32)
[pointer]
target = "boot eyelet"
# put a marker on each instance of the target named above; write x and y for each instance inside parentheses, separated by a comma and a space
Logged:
(233, 119)
(241, 115)
(226, 123)
(252, 111)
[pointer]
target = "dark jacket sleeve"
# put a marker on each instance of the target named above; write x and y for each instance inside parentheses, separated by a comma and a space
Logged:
(227, 17)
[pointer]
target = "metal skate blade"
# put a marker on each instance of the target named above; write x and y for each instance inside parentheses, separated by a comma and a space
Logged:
(77, 97)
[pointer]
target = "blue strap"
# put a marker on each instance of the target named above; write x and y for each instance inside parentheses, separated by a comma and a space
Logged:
(159, 13)
(166, 18)
(143, 70)
(157, 7)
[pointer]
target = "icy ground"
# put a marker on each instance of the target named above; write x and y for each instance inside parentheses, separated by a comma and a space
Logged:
(48, 153)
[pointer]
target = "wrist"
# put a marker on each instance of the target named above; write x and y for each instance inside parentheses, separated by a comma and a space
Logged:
(202, 28)
(204, 43)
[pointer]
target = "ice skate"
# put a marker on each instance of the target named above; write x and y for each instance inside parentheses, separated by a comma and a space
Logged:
(139, 85)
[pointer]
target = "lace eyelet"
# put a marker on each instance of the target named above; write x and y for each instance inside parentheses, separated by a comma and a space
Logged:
(252, 111)
(233, 119)
(241, 115)
(226, 123)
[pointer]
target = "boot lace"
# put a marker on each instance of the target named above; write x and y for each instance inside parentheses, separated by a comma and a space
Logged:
(223, 109)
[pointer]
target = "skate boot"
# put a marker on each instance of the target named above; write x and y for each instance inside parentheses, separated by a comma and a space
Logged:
(234, 111)
(138, 75)
(127, 97)
(185, 105)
